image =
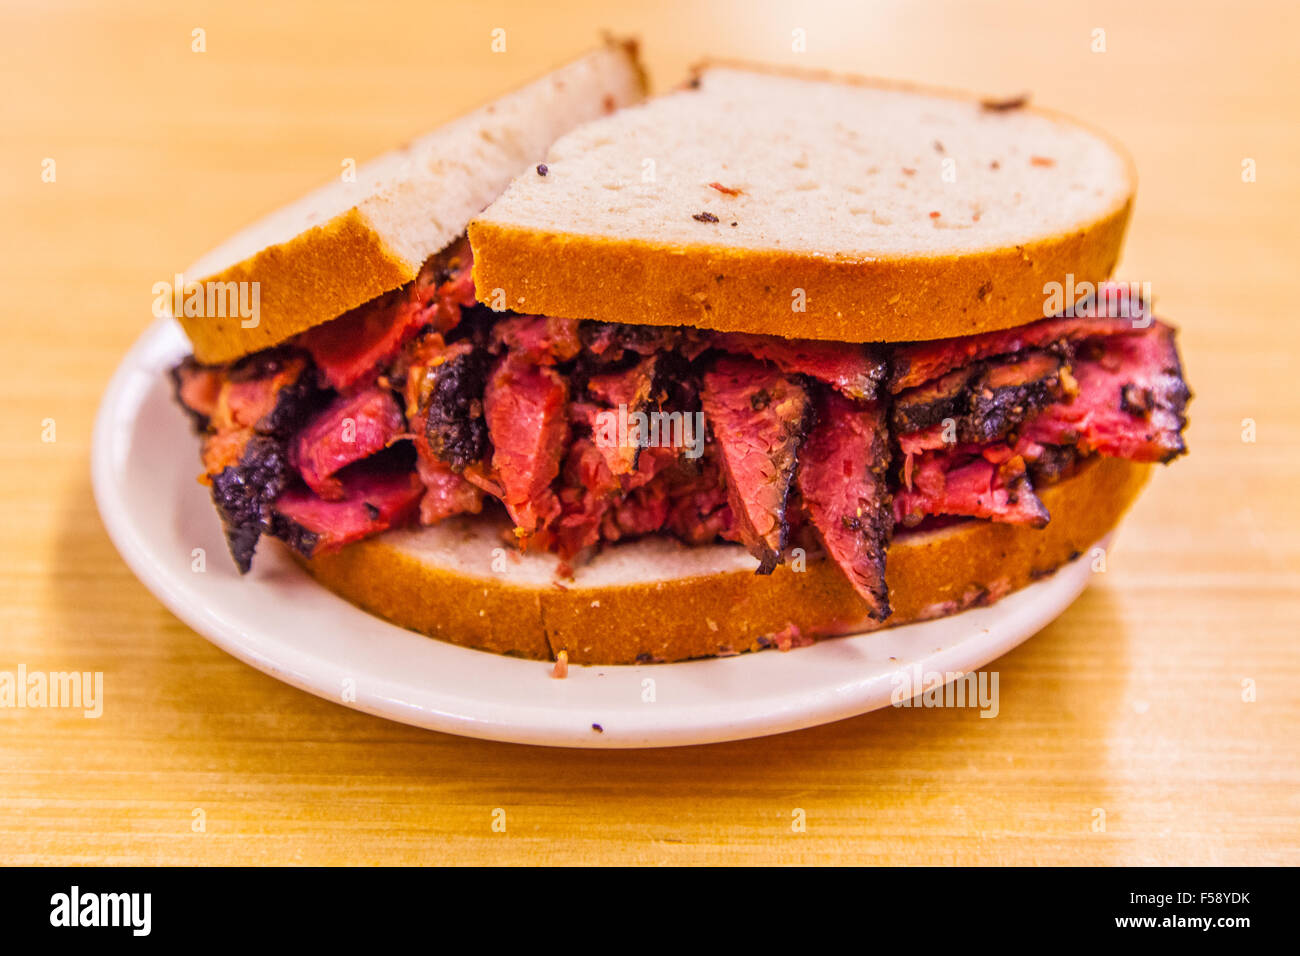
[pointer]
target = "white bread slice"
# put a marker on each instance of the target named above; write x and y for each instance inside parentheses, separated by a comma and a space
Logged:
(900, 213)
(348, 242)
(656, 599)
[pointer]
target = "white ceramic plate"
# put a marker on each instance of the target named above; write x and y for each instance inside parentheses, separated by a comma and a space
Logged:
(281, 622)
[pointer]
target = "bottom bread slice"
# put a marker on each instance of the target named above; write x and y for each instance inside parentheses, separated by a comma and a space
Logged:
(656, 599)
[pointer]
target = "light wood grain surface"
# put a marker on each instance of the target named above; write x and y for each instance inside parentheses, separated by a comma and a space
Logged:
(1131, 703)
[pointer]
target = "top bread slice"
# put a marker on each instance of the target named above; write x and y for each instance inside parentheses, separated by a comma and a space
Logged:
(348, 242)
(801, 204)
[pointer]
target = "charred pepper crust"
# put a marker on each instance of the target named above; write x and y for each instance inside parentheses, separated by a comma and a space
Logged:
(981, 413)
(294, 405)
(879, 527)
(243, 495)
(454, 424)
(798, 430)
(995, 412)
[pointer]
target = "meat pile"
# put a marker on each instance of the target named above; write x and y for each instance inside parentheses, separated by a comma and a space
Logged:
(423, 404)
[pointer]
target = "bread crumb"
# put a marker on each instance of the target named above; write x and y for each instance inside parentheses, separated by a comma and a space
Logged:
(705, 216)
(595, 603)
(727, 190)
(1044, 161)
(561, 668)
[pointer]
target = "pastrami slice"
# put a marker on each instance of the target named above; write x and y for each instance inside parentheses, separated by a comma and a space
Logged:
(851, 368)
(956, 484)
(349, 429)
(842, 480)
(373, 501)
(1116, 313)
(525, 406)
(448, 393)
(759, 418)
(1131, 400)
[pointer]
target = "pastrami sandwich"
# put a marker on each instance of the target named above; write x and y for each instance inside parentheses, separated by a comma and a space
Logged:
(769, 358)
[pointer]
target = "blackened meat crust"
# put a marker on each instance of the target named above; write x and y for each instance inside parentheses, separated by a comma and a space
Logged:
(244, 493)
(1008, 393)
(986, 400)
(928, 405)
(454, 425)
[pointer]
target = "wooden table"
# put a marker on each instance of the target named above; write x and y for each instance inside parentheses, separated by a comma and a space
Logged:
(1131, 703)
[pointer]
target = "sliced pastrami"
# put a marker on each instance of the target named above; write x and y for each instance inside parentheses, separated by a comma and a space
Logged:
(243, 494)
(928, 405)
(851, 368)
(525, 408)
(588, 488)
(446, 493)
(1008, 392)
(954, 483)
(640, 512)
(350, 428)
(632, 387)
(448, 393)
(373, 501)
(1130, 403)
(538, 338)
(984, 401)
(611, 341)
(759, 418)
(918, 362)
(616, 399)
(353, 347)
(842, 480)
(268, 392)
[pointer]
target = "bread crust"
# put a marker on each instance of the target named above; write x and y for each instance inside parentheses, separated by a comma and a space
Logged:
(669, 619)
(314, 277)
(845, 299)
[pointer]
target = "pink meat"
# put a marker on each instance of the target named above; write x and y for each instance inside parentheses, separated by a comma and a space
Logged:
(353, 347)
(371, 503)
(538, 338)
(445, 492)
(758, 418)
(920, 362)
(842, 479)
(525, 408)
(350, 428)
(851, 368)
(1130, 403)
(957, 484)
